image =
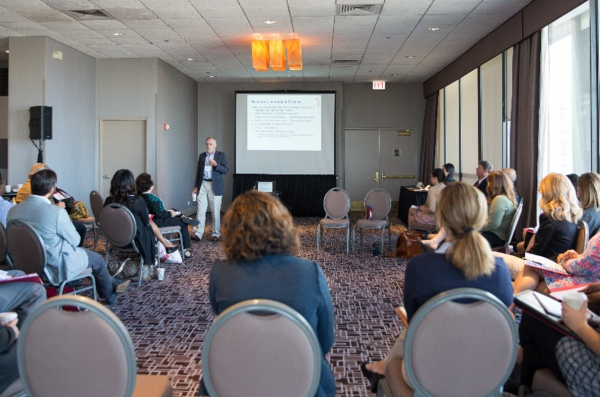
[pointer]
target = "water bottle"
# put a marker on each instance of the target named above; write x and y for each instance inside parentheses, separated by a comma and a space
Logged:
(369, 212)
(376, 249)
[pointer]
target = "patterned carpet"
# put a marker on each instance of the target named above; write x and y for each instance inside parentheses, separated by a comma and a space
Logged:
(167, 320)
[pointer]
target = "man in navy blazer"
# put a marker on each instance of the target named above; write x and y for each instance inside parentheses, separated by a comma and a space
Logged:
(482, 171)
(212, 165)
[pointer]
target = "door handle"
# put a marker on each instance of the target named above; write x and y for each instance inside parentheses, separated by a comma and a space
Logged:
(383, 176)
(106, 177)
(376, 179)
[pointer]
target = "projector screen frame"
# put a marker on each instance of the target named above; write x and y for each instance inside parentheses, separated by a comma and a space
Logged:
(292, 92)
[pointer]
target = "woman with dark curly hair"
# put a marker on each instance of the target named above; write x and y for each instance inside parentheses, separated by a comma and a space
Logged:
(122, 191)
(260, 242)
(163, 217)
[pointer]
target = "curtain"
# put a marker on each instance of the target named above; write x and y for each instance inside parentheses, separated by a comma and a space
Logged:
(428, 146)
(524, 127)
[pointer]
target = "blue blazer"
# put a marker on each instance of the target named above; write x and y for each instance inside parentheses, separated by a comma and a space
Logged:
(222, 168)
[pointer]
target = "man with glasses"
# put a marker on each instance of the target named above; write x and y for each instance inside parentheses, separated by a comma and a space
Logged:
(4, 205)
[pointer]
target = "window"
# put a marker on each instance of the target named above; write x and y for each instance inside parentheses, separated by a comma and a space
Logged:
(565, 95)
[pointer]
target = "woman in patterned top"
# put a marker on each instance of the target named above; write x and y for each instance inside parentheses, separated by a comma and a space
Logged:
(582, 269)
(574, 362)
(163, 217)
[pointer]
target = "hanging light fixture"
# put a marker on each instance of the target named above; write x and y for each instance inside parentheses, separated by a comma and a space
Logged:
(260, 55)
(294, 54)
(272, 53)
(276, 55)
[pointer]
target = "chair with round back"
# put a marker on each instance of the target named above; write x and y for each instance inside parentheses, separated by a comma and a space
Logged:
(455, 349)
(262, 348)
(583, 236)
(337, 205)
(506, 248)
(87, 353)
(381, 202)
(97, 203)
(4, 260)
(26, 249)
(119, 227)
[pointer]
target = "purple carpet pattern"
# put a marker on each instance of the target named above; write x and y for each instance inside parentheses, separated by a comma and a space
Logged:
(167, 320)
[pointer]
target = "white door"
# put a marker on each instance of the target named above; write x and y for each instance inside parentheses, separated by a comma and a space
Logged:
(122, 145)
(382, 158)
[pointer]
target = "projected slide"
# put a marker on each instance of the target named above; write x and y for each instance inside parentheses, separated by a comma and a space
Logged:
(279, 133)
(282, 122)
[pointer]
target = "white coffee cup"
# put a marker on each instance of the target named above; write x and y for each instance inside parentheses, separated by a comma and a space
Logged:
(7, 317)
(160, 273)
(15, 189)
(575, 299)
(8, 188)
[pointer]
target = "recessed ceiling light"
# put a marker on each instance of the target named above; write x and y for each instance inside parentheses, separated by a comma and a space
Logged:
(212, 76)
(388, 37)
(434, 29)
(190, 59)
(410, 56)
(269, 22)
(117, 34)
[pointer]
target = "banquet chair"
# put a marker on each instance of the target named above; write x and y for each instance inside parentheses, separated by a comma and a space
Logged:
(583, 236)
(455, 349)
(86, 353)
(169, 232)
(382, 204)
(261, 348)
(337, 205)
(26, 249)
(119, 227)
(97, 203)
(506, 248)
(4, 260)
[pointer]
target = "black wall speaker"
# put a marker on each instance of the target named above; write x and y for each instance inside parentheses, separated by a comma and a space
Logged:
(40, 122)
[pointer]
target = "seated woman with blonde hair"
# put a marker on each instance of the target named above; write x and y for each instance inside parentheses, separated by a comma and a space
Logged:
(558, 221)
(465, 260)
(556, 234)
(261, 245)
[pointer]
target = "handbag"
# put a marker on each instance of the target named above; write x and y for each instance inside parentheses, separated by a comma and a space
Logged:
(407, 245)
(79, 211)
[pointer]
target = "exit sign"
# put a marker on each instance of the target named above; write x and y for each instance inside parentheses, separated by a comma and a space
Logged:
(379, 85)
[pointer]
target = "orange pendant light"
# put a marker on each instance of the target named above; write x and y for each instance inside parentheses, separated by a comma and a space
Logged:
(277, 55)
(294, 54)
(260, 55)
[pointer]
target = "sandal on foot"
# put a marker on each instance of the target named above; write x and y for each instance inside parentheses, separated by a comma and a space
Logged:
(170, 250)
(373, 377)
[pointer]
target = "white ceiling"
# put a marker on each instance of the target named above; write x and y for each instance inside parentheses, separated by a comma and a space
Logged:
(216, 34)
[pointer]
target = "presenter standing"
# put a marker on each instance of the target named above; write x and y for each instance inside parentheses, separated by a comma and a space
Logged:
(212, 165)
